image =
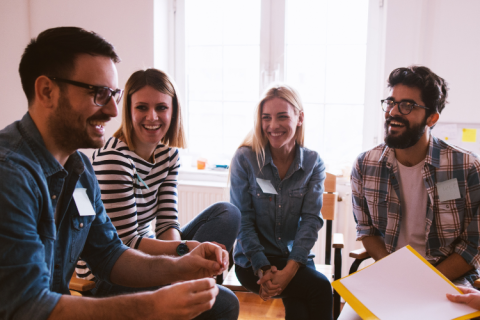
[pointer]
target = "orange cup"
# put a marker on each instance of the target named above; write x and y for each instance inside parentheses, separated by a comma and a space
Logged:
(201, 163)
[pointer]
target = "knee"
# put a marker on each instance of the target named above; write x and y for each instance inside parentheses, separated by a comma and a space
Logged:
(229, 212)
(228, 305)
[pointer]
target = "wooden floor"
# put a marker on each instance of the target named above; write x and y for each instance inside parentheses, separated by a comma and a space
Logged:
(252, 307)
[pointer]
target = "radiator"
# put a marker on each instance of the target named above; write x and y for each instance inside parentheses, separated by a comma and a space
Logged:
(193, 198)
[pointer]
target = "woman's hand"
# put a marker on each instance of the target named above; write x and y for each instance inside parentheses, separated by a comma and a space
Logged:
(267, 288)
(277, 281)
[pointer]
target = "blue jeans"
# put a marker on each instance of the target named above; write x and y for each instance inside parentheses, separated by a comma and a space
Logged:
(307, 296)
(220, 222)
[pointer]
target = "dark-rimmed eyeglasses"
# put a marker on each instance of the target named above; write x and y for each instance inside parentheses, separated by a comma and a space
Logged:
(405, 107)
(102, 94)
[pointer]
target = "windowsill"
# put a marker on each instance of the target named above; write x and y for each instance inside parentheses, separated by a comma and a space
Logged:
(207, 177)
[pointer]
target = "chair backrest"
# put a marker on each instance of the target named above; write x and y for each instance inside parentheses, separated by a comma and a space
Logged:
(329, 208)
(330, 197)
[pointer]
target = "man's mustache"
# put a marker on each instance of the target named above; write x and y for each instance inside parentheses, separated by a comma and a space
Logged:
(397, 119)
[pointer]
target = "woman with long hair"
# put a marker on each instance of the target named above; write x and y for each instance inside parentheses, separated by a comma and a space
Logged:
(137, 171)
(277, 184)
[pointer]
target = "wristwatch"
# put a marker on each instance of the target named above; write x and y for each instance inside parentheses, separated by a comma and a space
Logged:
(182, 248)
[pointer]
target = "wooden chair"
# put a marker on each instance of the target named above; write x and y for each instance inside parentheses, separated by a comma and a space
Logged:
(79, 286)
(330, 197)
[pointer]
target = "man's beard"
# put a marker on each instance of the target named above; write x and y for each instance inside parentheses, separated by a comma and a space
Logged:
(69, 129)
(407, 139)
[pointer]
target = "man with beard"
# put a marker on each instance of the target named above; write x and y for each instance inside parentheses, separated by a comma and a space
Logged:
(51, 209)
(400, 188)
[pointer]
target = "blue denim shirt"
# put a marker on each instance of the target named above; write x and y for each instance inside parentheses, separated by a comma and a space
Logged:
(37, 252)
(281, 225)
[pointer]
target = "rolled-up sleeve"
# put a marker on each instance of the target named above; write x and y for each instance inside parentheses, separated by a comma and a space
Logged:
(361, 212)
(241, 198)
(311, 218)
(468, 245)
(24, 274)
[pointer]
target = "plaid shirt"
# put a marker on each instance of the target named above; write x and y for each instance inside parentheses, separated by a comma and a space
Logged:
(450, 226)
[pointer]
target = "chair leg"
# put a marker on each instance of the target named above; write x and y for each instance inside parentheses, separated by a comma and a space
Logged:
(337, 275)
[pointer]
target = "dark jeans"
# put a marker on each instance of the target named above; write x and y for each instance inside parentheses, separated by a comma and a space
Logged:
(220, 222)
(307, 296)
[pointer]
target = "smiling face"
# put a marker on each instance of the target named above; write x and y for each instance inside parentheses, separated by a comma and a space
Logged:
(76, 121)
(151, 112)
(404, 131)
(280, 122)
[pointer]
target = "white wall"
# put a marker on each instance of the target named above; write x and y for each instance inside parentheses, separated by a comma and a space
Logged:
(127, 24)
(444, 36)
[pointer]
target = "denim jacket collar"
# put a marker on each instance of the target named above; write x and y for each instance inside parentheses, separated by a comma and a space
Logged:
(49, 164)
(297, 161)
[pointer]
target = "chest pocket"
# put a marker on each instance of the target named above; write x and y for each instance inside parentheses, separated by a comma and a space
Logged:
(296, 197)
(451, 214)
(80, 229)
(262, 202)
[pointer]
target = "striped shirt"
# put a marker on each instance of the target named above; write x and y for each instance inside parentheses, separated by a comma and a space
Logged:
(123, 177)
(450, 226)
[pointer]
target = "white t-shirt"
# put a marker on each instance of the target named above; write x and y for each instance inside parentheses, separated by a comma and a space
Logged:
(413, 200)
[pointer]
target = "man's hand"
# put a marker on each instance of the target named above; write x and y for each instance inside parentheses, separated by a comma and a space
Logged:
(185, 300)
(375, 246)
(206, 260)
(471, 297)
(267, 288)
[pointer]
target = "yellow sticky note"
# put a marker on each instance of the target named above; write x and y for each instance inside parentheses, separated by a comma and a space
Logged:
(469, 135)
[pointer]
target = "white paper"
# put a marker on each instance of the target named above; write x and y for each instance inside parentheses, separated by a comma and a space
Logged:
(448, 132)
(448, 190)
(266, 186)
(83, 202)
(401, 286)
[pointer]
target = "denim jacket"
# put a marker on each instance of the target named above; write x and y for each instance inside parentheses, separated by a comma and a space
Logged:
(38, 252)
(278, 225)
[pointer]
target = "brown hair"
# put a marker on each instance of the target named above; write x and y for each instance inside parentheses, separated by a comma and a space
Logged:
(160, 81)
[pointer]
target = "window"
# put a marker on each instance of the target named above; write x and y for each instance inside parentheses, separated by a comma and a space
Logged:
(234, 49)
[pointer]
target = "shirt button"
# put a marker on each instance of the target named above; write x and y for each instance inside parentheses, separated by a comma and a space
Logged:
(279, 206)
(279, 223)
(279, 238)
(448, 206)
(81, 224)
(258, 194)
(57, 266)
(279, 188)
(54, 197)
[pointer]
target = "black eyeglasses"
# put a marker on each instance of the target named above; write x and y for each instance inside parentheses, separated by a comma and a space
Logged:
(405, 107)
(102, 94)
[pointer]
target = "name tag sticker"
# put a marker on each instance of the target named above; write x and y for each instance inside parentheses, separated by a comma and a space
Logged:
(266, 186)
(448, 190)
(83, 202)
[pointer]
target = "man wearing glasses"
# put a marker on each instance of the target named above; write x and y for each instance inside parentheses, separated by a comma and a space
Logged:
(50, 206)
(416, 189)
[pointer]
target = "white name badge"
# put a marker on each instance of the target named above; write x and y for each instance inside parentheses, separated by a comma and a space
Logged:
(448, 190)
(266, 186)
(83, 202)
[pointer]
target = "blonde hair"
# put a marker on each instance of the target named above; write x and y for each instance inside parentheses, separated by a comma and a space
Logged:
(256, 138)
(160, 81)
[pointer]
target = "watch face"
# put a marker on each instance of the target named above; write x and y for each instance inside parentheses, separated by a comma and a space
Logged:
(182, 249)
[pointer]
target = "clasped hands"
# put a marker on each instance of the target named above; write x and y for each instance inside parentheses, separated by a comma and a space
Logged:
(273, 281)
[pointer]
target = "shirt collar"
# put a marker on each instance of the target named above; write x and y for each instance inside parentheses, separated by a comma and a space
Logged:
(47, 161)
(432, 158)
(297, 161)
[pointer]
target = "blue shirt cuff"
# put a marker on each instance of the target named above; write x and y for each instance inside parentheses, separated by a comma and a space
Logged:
(299, 254)
(259, 260)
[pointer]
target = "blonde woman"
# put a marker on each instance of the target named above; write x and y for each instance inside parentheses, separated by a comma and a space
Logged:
(277, 184)
(137, 172)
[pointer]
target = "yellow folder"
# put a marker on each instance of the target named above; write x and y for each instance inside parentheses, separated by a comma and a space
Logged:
(363, 309)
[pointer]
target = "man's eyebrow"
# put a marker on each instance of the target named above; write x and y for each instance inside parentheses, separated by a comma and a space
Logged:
(403, 100)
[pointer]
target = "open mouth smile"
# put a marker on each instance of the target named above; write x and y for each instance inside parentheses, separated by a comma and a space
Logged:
(151, 127)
